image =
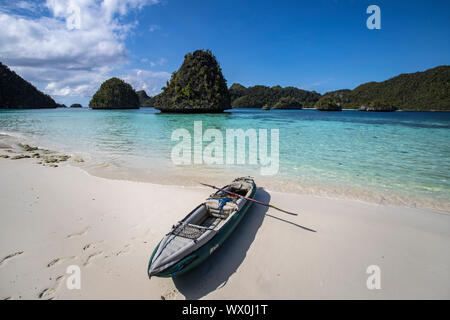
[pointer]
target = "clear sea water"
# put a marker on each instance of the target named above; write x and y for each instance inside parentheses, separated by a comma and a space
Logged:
(399, 158)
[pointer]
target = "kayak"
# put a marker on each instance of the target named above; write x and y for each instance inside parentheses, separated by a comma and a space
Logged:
(193, 239)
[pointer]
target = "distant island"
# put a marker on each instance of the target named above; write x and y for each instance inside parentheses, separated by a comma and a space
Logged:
(421, 91)
(258, 96)
(144, 99)
(15, 92)
(327, 104)
(115, 94)
(427, 90)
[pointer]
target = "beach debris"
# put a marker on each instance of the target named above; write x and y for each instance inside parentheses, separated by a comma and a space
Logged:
(36, 155)
(10, 256)
(78, 160)
(63, 157)
(56, 158)
(20, 156)
(27, 147)
(4, 156)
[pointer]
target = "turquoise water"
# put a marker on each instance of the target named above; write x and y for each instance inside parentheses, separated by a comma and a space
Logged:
(401, 157)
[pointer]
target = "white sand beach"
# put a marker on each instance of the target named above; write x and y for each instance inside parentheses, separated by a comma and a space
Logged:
(52, 218)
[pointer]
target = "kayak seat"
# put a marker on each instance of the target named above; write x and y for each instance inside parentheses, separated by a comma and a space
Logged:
(213, 205)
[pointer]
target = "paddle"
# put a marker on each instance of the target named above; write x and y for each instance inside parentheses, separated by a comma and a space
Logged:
(249, 199)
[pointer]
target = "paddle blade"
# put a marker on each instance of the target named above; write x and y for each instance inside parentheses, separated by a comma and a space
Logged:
(291, 213)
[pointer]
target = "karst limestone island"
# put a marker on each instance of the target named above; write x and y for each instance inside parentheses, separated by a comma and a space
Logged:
(199, 86)
(115, 94)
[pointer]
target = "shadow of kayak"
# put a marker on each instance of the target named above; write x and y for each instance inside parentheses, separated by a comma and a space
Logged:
(216, 270)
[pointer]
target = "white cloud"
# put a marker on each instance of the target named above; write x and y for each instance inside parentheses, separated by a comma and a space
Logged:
(146, 80)
(160, 62)
(71, 50)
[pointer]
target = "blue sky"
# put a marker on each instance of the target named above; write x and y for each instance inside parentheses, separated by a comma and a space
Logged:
(316, 45)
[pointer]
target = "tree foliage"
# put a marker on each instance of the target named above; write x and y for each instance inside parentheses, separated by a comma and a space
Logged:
(115, 94)
(198, 86)
(327, 103)
(258, 96)
(427, 90)
(288, 103)
(144, 99)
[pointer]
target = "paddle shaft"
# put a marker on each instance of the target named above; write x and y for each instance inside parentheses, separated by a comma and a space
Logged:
(249, 199)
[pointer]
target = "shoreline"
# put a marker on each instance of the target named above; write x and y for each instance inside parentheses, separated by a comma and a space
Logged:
(188, 175)
(56, 217)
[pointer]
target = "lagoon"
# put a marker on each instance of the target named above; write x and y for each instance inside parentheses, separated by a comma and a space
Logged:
(398, 158)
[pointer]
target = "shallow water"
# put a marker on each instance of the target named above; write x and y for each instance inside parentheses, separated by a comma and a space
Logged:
(400, 158)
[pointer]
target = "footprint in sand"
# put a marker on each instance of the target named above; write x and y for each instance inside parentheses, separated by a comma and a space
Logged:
(59, 260)
(169, 295)
(81, 233)
(91, 245)
(125, 249)
(9, 257)
(49, 293)
(92, 256)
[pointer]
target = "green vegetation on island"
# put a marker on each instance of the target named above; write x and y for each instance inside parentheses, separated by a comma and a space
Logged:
(115, 94)
(258, 96)
(144, 99)
(15, 92)
(198, 86)
(327, 104)
(288, 103)
(427, 90)
(76, 105)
